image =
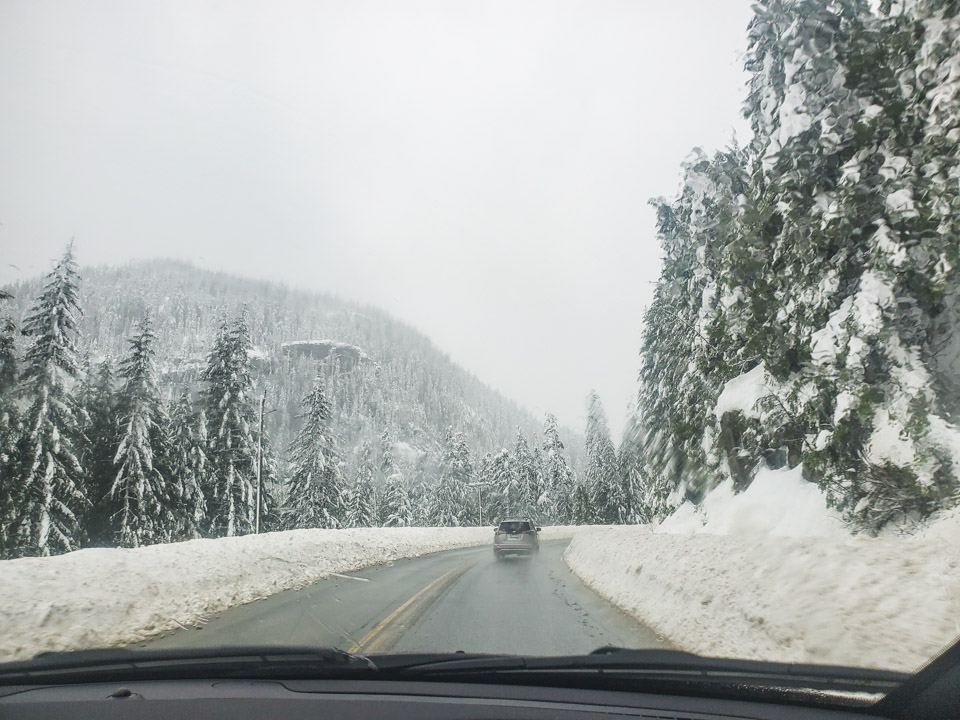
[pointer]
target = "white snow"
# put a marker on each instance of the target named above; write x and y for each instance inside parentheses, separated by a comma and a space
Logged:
(901, 201)
(729, 581)
(888, 443)
(742, 393)
(778, 503)
(106, 597)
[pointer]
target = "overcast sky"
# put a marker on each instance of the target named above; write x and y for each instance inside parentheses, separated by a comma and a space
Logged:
(479, 169)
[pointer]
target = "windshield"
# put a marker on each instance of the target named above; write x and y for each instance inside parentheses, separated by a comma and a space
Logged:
(521, 327)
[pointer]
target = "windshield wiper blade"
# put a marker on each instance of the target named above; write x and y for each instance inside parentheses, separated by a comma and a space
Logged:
(658, 667)
(224, 662)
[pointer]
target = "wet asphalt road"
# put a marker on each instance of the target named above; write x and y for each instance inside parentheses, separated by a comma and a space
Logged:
(455, 600)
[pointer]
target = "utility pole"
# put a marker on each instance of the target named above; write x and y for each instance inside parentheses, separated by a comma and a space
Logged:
(478, 486)
(263, 399)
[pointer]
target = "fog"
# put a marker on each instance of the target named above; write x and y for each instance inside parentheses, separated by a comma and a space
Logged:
(481, 170)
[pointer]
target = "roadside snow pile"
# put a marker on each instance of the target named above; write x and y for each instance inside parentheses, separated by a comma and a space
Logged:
(106, 597)
(778, 503)
(731, 582)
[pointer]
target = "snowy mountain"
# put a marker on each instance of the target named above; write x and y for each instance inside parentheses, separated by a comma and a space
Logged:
(393, 401)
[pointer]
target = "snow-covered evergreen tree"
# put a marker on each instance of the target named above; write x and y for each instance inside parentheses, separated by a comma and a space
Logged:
(582, 512)
(630, 465)
(361, 502)
(395, 507)
(97, 449)
(508, 496)
(49, 494)
(558, 475)
(231, 443)
(314, 493)
(10, 430)
(450, 505)
(529, 478)
(188, 469)
(606, 490)
(140, 493)
(819, 266)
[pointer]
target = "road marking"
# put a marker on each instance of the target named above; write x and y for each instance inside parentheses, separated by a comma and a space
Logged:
(372, 639)
(350, 577)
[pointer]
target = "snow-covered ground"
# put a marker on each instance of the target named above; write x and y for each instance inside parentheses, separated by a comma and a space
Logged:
(772, 574)
(106, 597)
(98, 598)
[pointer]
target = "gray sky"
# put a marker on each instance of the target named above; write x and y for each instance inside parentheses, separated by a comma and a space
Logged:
(479, 169)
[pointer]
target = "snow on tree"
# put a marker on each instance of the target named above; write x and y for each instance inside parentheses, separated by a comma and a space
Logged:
(450, 506)
(97, 449)
(232, 418)
(314, 493)
(529, 477)
(361, 501)
(49, 493)
(629, 463)
(189, 469)
(10, 430)
(421, 503)
(820, 264)
(508, 490)
(395, 507)
(139, 491)
(558, 475)
(609, 501)
(582, 512)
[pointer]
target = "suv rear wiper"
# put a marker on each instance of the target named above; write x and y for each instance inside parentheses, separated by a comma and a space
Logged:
(227, 662)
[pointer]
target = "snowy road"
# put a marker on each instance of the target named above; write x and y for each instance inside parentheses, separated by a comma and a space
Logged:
(455, 600)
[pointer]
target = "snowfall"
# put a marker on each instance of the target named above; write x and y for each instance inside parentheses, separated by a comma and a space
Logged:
(769, 573)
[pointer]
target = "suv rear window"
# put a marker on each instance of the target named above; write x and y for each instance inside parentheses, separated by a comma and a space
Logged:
(514, 527)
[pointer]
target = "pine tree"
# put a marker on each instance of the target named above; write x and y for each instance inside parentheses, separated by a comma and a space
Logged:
(50, 493)
(188, 469)
(314, 494)
(630, 464)
(822, 258)
(529, 478)
(507, 487)
(361, 503)
(582, 512)
(603, 481)
(396, 510)
(231, 417)
(449, 505)
(10, 430)
(97, 450)
(558, 475)
(421, 504)
(140, 492)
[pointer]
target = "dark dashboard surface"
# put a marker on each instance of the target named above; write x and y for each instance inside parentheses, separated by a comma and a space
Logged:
(372, 700)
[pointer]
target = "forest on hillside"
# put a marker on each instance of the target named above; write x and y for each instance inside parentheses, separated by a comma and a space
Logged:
(119, 430)
(807, 314)
(816, 271)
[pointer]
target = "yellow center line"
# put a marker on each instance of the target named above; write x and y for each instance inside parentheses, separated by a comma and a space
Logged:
(365, 642)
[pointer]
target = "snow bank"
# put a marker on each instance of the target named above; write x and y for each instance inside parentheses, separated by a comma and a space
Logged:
(729, 580)
(105, 597)
(779, 503)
